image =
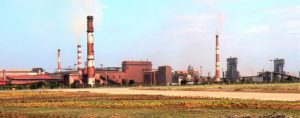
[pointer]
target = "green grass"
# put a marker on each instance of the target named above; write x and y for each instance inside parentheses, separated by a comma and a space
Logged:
(139, 112)
(87, 104)
(272, 88)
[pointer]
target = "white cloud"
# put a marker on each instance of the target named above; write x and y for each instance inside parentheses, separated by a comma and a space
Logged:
(284, 10)
(194, 17)
(291, 27)
(284, 20)
(213, 2)
(257, 29)
(186, 24)
(187, 39)
(293, 24)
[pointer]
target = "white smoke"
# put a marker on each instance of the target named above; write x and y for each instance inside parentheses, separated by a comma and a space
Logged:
(220, 19)
(82, 9)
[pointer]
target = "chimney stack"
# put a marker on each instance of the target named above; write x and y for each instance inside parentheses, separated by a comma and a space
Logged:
(58, 61)
(217, 60)
(90, 52)
(4, 74)
(79, 59)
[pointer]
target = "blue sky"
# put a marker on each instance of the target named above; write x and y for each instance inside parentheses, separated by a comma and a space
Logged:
(167, 32)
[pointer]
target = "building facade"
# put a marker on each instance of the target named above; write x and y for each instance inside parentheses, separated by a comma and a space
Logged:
(232, 73)
(134, 70)
(164, 75)
(278, 66)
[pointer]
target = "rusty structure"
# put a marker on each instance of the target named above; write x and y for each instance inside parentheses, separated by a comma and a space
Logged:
(218, 71)
(90, 52)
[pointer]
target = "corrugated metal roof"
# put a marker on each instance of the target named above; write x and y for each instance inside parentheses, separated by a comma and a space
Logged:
(23, 82)
(17, 70)
(32, 77)
(137, 62)
(2, 80)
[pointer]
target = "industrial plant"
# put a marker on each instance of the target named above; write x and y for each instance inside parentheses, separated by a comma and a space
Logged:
(136, 73)
(131, 73)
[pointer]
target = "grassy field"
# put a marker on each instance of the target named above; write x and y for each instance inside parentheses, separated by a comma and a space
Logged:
(269, 88)
(87, 104)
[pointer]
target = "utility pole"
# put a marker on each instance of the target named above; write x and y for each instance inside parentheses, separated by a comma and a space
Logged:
(271, 73)
(223, 73)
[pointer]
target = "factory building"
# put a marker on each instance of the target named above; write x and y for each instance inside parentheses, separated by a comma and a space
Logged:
(150, 77)
(26, 76)
(189, 76)
(278, 66)
(110, 75)
(131, 73)
(232, 74)
(15, 72)
(190, 70)
(30, 79)
(164, 75)
(135, 70)
(72, 78)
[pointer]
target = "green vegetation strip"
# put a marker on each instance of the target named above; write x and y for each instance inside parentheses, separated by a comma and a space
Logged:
(76, 104)
(136, 112)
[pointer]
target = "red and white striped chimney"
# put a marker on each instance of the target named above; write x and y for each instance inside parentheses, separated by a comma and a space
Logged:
(90, 52)
(58, 61)
(217, 60)
(79, 59)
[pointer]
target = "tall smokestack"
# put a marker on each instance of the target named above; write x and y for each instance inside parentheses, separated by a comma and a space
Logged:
(79, 58)
(90, 52)
(217, 59)
(58, 61)
(4, 74)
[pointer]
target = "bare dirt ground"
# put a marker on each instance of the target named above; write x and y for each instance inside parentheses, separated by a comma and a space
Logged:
(240, 95)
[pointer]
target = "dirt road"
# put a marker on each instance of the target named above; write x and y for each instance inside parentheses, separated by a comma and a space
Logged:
(243, 95)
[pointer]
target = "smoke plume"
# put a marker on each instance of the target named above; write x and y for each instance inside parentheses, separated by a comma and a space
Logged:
(83, 8)
(220, 19)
